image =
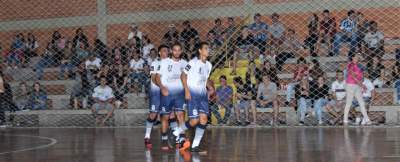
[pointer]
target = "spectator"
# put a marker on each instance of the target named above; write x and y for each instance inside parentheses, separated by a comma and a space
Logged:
(243, 97)
(218, 30)
(6, 97)
(243, 44)
(230, 30)
(291, 47)
(21, 97)
(267, 96)
(137, 74)
(191, 52)
(396, 79)
(188, 34)
(368, 93)
(347, 33)
(119, 53)
(303, 96)
(103, 99)
(81, 54)
(374, 41)
(147, 47)
(31, 47)
(362, 29)
(101, 51)
(259, 30)
(338, 93)
(38, 97)
(135, 32)
(171, 36)
(277, 30)
(93, 63)
(106, 71)
(134, 44)
(354, 88)
(315, 70)
(58, 43)
(46, 60)
(328, 30)
(82, 88)
(152, 56)
(313, 35)
(67, 62)
(270, 70)
(224, 100)
(382, 81)
(79, 38)
(213, 41)
(253, 83)
(300, 72)
(320, 93)
(375, 68)
(16, 54)
(120, 81)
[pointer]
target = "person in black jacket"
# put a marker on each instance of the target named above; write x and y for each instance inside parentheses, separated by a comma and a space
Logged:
(320, 94)
(303, 97)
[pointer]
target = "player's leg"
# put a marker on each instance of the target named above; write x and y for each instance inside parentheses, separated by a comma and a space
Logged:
(110, 110)
(193, 114)
(152, 117)
(179, 106)
(165, 117)
(200, 129)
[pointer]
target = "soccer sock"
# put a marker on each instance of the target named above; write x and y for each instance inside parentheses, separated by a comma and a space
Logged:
(198, 135)
(173, 124)
(149, 126)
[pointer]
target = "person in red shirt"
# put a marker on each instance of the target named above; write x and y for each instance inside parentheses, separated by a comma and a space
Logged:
(300, 72)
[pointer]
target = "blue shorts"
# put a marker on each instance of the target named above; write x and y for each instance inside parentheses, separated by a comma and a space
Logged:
(198, 104)
(155, 97)
(173, 102)
(269, 105)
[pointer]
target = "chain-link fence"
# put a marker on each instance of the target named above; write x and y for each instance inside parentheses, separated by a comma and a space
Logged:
(275, 62)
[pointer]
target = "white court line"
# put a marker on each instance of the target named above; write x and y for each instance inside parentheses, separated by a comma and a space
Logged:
(53, 142)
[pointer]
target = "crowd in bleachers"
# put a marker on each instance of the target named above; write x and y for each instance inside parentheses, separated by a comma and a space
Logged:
(124, 64)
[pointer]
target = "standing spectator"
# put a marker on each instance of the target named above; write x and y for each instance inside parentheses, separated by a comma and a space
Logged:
(374, 40)
(291, 47)
(119, 53)
(171, 36)
(6, 97)
(328, 30)
(277, 30)
(267, 96)
(147, 47)
(243, 44)
(259, 30)
(101, 51)
(396, 79)
(218, 30)
(320, 93)
(362, 29)
(31, 47)
(301, 72)
(58, 43)
(134, 32)
(82, 88)
(137, 74)
(375, 67)
(224, 100)
(21, 97)
(67, 62)
(38, 97)
(243, 96)
(354, 88)
(188, 34)
(103, 97)
(347, 33)
(303, 96)
(120, 81)
(79, 38)
(47, 59)
(338, 94)
(313, 35)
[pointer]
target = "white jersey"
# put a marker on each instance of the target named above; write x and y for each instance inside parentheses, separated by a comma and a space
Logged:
(153, 70)
(170, 72)
(197, 75)
(103, 93)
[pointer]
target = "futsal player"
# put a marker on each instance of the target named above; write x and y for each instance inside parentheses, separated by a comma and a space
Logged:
(195, 82)
(172, 92)
(155, 93)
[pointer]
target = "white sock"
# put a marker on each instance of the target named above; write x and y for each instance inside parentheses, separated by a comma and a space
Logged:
(149, 126)
(173, 125)
(197, 137)
(148, 156)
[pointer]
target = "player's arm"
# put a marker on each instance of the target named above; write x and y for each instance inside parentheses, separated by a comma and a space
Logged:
(185, 86)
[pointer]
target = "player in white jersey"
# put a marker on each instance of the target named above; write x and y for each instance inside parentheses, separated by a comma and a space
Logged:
(155, 94)
(172, 92)
(197, 87)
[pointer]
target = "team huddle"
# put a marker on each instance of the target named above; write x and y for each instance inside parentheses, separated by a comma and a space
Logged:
(178, 86)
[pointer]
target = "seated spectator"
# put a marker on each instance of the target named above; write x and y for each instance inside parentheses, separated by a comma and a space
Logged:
(260, 32)
(328, 30)
(362, 28)
(66, 62)
(301, 72)
(382, 81)
(120, 81)
(375, 67)
(153, 56)
(229, 32)
(315, 70)
(147, 47)
(81, 89)
(21, 97)
(218, 30)
(46, 60)
(303, 97)
(38, 98)
(103, 99)
(213, 41)
(313, 35)
(134, 32)
(267, 96)
(252, 82)
(270, 70)
(188, 35)
(396, 79)
(81, 54)
(243, 44)
(224, 100)
(58, 43)
(6, 97)
(374, 41)
(171, 36)
(93, 63)
(31, 47)
(338, 95)
(277, 30)
(16, 55)
(136, 72)
(243, 97)
(347, 33)
(119, 53)
(107, 72)
(101, 51)
(290, 48)
(320, 93)
(80, 37)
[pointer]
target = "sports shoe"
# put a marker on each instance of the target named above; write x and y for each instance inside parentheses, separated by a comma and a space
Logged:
(301, 123)
(320, 123)
(185, 145)
(345, 123)
(164, 145)
(147, 143)
(366, 122)
(198, 150)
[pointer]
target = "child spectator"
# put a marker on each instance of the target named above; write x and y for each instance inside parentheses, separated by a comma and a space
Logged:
(290, 48)
(21, 97)
(38, 97)
(103, 99)
(267, 96)
(320, 93)
(243, 97)
(368, 93)
(224, 100)
(328, 30)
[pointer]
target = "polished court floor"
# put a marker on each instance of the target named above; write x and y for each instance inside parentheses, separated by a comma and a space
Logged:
(298, 144)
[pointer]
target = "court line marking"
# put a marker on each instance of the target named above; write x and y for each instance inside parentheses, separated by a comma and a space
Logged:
(53, 142)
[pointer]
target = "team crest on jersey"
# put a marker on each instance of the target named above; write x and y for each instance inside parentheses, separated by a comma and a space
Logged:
(158, 67)
(187, 68)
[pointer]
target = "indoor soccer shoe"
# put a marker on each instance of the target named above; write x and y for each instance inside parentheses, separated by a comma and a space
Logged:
(186, 145)
(165, 145)
(147, 143)
(198, 150)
